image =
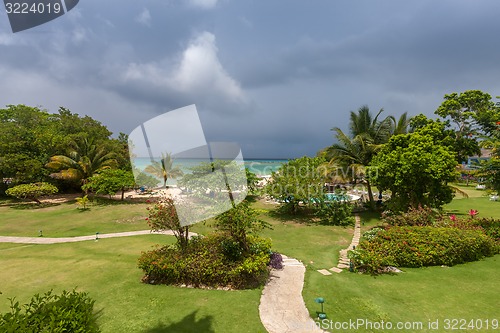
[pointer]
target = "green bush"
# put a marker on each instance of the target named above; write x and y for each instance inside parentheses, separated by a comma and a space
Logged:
(68, 312)
(32, 191)
(420, 216)
(335, 213)
(422, 246)
(211, 261)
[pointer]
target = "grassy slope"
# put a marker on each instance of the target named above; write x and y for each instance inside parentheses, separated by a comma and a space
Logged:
(107, 270)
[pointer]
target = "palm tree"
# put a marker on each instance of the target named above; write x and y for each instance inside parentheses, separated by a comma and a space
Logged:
(353, 155)
(364, 124)
(84, 159)
(355, 152)
(164, 169)
(399, 126)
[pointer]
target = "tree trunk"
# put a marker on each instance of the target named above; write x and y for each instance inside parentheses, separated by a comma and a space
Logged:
(370, 195)
(123, 193)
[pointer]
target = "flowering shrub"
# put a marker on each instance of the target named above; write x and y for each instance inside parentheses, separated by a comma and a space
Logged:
(162, 216)
(206, 262)
(422, 246)
(276, 261)
(414, 216)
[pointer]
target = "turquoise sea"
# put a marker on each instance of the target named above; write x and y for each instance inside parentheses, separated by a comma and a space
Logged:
(261, 167)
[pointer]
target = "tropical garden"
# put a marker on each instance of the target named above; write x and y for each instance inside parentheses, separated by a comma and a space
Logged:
(417, 210)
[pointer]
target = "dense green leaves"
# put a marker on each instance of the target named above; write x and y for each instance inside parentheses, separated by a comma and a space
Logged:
(416, 169)
(299, 180)
(421, 246)
(85, 158)
(110, 181)
(238, 222)
(29, 137)
(69, 312)
(32, 191)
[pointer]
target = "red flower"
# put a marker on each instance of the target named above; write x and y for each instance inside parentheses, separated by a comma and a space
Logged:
(453, 217)
(473, 212)
(147, 218)
(498, 122)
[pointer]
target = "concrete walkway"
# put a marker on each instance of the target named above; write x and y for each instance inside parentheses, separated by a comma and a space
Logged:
(282, 309)
(48, 240)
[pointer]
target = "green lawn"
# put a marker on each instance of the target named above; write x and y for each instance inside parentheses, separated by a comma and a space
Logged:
(65, 220)
(484, 205)
(467, 291)
(107, 270)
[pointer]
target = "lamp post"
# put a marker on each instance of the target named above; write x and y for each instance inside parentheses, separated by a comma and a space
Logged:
(322, 314)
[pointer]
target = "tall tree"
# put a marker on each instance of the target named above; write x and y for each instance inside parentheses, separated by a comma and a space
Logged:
(470, 114)
(354, 153)
(351, 158)
(365, 124)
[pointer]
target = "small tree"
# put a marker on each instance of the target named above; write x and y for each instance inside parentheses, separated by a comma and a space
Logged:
(145, 179)
(83, 202)
(163, 216)
(32, 191)
(110, 181)
(240, 221)
(299, 180)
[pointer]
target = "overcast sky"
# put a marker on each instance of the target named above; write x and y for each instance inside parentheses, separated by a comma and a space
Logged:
(273, 75)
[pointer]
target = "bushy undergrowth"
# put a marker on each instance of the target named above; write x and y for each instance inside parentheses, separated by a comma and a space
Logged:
(68, 312)
(421, 216)
(335, 213)
(210, 261)
(417, 246)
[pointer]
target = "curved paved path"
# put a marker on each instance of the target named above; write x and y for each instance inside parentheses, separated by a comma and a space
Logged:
(282, 308)
(48, 240)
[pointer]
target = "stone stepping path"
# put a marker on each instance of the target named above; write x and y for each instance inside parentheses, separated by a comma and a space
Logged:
(343, 259)
(282, 308)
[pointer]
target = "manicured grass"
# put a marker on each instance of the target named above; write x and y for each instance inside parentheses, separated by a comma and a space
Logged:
(484, 205)
(470, 190)
(418, 295)
(65, 220)
(107, 270)
(316, 245)
(468, 291)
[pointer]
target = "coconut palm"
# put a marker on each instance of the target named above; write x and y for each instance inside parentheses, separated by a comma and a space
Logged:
(164, 169)
(399, 126)
(354, 153)
(363, 123)
(84, 159)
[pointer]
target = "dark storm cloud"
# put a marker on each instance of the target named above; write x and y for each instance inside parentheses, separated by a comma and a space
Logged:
(275, 76)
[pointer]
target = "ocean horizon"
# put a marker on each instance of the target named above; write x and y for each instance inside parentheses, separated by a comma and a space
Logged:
(260, 167)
